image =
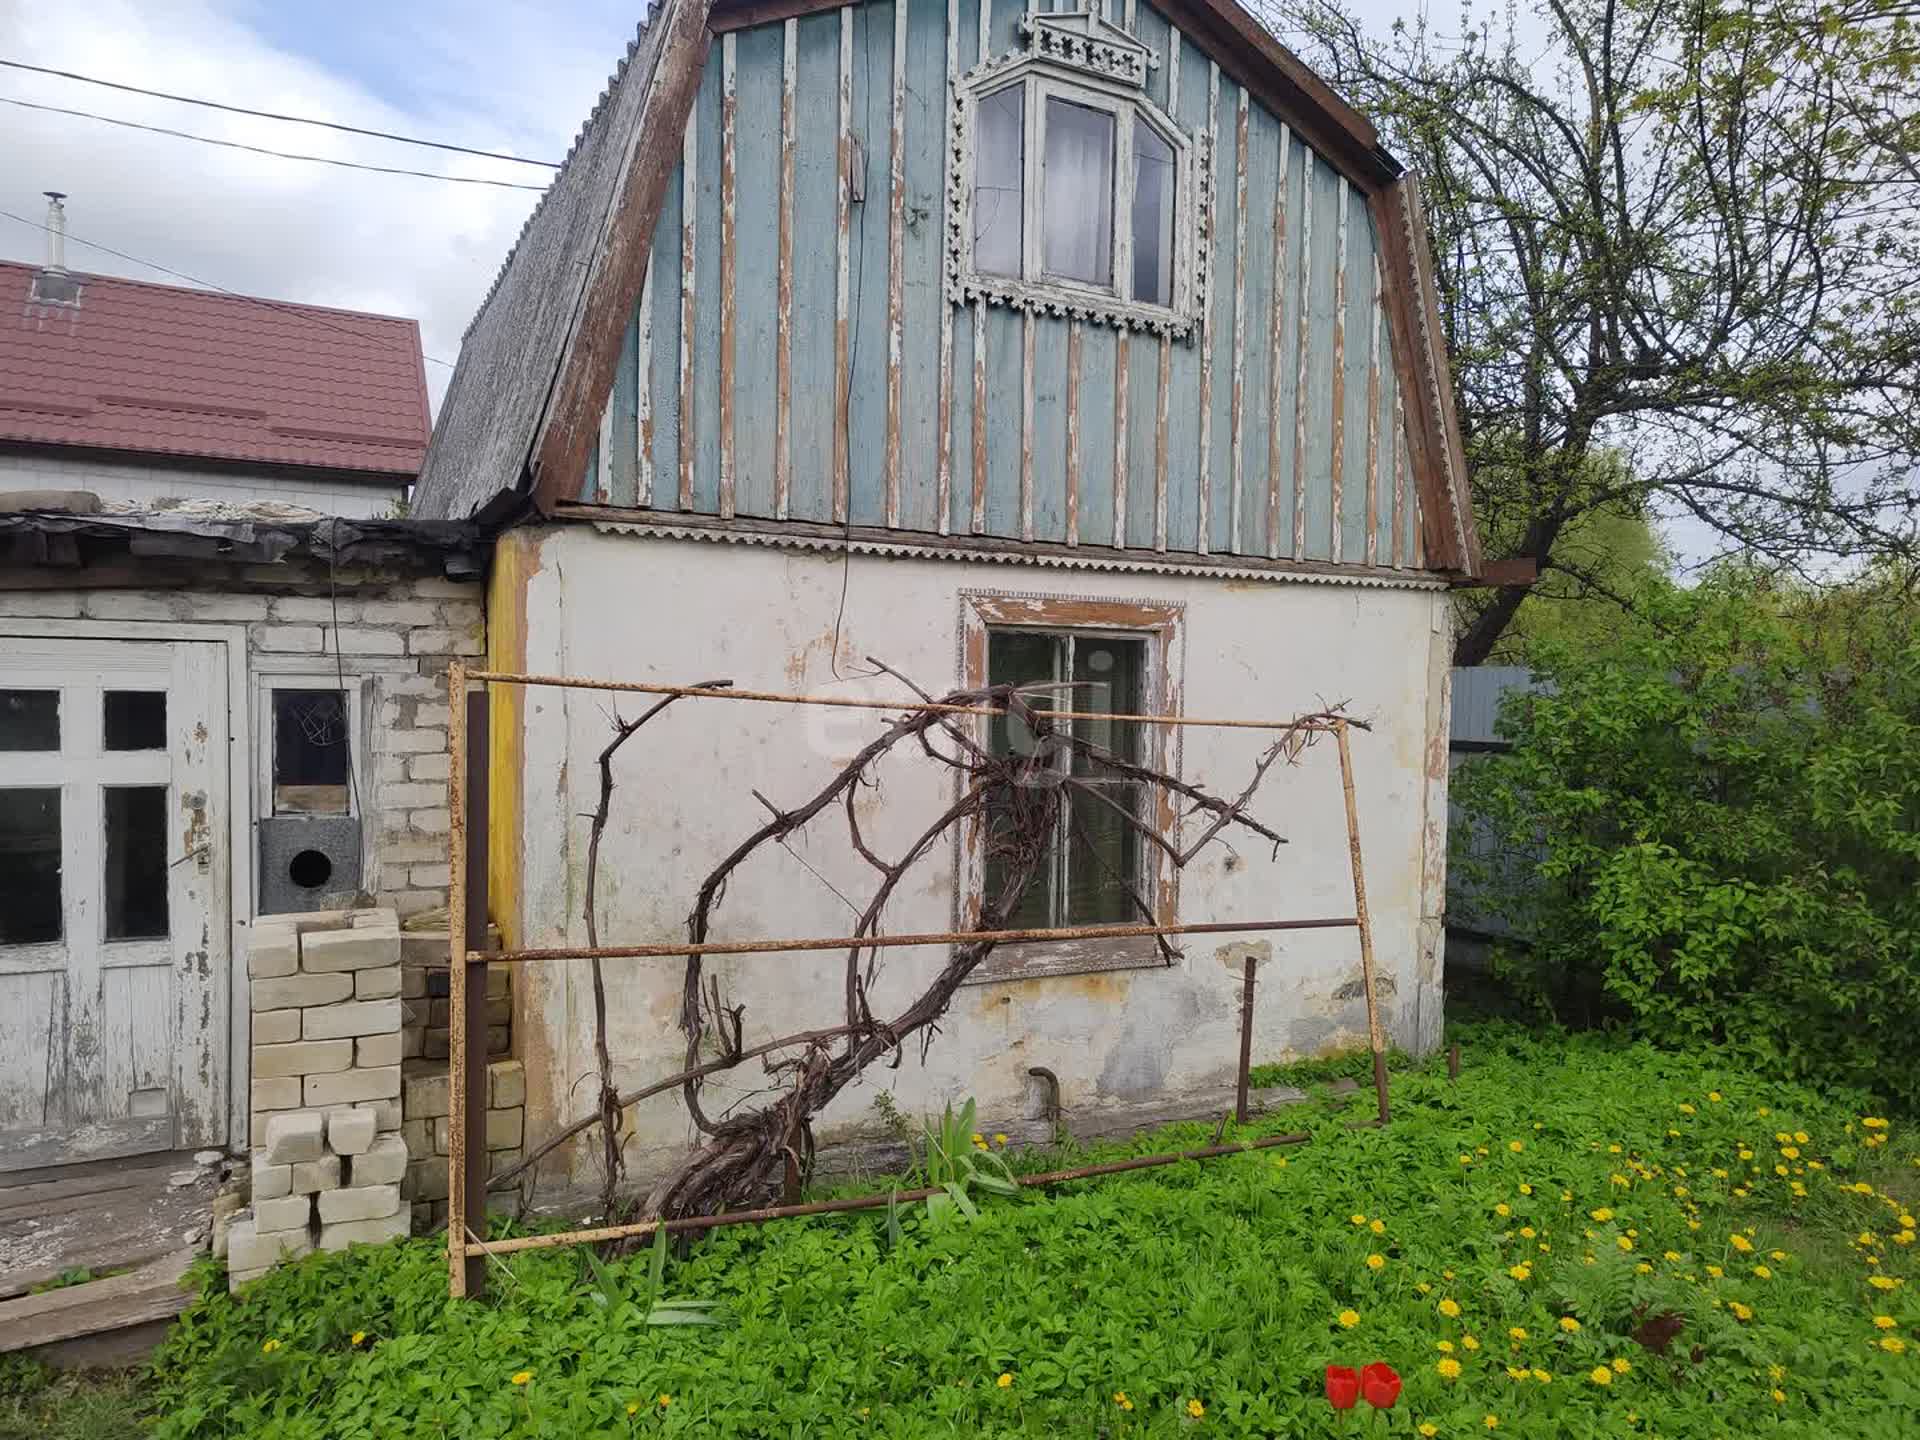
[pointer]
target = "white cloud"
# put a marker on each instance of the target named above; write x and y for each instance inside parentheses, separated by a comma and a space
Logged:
(507, 78)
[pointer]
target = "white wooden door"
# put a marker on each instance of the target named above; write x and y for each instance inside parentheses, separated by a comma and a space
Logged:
(114, 898)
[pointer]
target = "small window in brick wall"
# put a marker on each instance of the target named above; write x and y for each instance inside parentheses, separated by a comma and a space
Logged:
(312, 757)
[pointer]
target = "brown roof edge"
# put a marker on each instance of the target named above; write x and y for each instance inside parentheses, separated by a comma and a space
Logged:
(591, 355)
(1420, 366)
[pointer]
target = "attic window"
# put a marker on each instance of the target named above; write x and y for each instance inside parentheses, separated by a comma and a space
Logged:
(1077, 194)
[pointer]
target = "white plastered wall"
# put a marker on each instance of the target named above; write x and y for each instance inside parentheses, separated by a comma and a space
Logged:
(679, 611)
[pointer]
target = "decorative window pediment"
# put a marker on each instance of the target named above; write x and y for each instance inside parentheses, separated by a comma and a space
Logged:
(1071, 192)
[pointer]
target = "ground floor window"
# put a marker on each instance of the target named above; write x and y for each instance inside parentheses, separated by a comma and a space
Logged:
(1093, 863)
(1105, 659)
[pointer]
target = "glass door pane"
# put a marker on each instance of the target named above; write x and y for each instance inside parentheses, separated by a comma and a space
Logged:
(29, 866)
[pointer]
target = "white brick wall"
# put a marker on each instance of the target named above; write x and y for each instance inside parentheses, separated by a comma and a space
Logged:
(396, 635)
(114, 480)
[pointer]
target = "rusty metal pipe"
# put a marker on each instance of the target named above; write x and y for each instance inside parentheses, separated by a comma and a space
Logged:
(674, 950)
(862, 1202)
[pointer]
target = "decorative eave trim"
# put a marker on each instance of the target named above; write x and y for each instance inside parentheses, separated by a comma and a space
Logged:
(832, 540)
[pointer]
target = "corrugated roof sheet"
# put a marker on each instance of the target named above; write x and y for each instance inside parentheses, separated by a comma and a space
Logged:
(133, 366)
(512, 351)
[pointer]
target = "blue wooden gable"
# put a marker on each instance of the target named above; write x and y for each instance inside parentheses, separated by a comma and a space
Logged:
(800, 351)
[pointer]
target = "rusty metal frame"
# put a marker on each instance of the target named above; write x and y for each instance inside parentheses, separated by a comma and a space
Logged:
(467, 807)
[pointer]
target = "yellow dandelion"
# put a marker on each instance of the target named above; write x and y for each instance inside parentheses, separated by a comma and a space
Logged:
(1792, 1152)
(1428, 1429)
(999, 1139)
(1779, 1396)
(1643, 1268)
(1503, 1209)
(1685, 1109)
(1450, 1308)
(1005, 1382)
(1672, 1256)
(523, 1377)
(1492, 1422)
(978, 1138)
(1358, 1219)
(1601, 1375)
(1621, 1365)
(665, 1400)
(1378, 1227)
(1740, 1312)
(1714, 1096)
(1516, 1146)
(1569, 1324)
(1467, 1342)
(1603, 1214)
(1741, 1243)
(359, 1337)
(1544, 1377)
(1526, 1189)
(1348, 1319)
(1761, 1272)
(267, 1347)
(1424, 1288)
(1623, 1242)
(1893, 1345)
(1376, 1262)
(1776, 1373)
(1885, 1322)
(1517, 1332)
(1883, 1282)
(1121, 1399)
(1449, 1368)
(1445, 1347)
(1715, 1271)
(633, 1407)
(1527, 1232)
(1516, 1372)
(1196, 1409)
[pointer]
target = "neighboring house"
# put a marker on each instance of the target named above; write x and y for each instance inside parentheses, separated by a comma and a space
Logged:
(999, 345)
(142, 393)
(212, 706)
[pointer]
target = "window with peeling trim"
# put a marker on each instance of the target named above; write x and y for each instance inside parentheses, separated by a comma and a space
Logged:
(1080, 196)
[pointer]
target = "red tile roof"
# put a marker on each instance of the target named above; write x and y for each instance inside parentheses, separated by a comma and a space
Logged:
(138, 367)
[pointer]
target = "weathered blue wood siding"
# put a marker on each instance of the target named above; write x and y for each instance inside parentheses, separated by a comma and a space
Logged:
(1217, 441)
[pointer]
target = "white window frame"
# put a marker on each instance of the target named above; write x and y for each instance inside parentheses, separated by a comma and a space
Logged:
(1077, 58)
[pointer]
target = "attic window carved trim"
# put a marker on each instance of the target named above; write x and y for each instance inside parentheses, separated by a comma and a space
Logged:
(1078, 57)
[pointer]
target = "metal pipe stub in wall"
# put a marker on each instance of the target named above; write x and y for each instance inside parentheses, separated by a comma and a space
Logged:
(308, 862)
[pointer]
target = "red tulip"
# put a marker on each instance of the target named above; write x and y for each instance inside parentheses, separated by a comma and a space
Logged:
(1343, 1387)
(1380, 1385)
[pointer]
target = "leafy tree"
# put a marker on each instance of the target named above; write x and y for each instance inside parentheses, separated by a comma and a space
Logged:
(1726, 816)
(1680, 233)
(1605, 560)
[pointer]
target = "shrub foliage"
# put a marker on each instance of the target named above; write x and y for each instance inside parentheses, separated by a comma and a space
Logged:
(1725, 807)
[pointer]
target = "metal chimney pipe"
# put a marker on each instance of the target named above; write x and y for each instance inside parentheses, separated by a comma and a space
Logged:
(56, 232)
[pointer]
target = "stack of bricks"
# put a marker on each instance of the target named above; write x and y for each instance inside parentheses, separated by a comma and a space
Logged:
(427, 1131)
(320, 1177)
(326, 1015)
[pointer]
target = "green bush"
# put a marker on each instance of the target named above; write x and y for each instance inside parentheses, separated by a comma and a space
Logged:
(1726, 809)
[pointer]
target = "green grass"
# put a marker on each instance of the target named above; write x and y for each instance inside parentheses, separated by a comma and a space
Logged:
(1228, 1286)
(41, 1404)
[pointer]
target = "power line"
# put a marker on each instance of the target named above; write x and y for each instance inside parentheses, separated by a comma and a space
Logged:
(262, 150)
(274, 115)
(300, 311)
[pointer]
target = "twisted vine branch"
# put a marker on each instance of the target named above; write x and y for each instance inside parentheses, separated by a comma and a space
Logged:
(739, 1157)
